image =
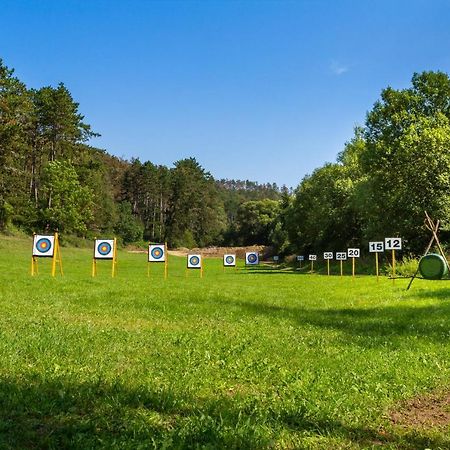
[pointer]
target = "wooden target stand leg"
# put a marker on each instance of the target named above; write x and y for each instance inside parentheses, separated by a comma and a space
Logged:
(34, 266)
(57, 260)
(433, 227)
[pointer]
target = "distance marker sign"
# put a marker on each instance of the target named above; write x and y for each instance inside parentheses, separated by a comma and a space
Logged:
(393, 243)
(328, 255)
(229, 260)
(104, 249)
(376, 247)
(341, 256)
(251, 258)
(300, 258)
(156, 253)
(312, 257)
(353, 252)
(43, 246)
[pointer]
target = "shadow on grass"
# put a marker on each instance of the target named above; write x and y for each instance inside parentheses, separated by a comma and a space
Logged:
(366, 326)
(59, 414)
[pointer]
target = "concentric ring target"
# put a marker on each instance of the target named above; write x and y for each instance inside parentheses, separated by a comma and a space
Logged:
(229, 259)
(157, 252)
(43, 245)
(194, 260)
(104, 248)
(252, 258)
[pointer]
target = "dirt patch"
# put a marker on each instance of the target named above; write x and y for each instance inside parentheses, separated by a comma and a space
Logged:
(217, 252)
(427, 411)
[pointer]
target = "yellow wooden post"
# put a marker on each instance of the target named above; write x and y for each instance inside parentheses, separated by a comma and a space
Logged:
(342, 269)
(353, 267)
(33, 259)
(201, 267)
(328, 267)
(376, 266)
(166, 261)
(312, 266)
(59, 257)
(113, 273)
(55, 240)
(393, 266)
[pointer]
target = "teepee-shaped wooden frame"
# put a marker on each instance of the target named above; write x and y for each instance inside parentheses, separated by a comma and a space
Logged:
(433, 227)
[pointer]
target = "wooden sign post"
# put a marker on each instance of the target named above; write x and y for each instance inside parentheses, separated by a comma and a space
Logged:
(376, 247)
(312, 258)
(157, 253)
(353, 253)
(341, 257)
(327, 256)
(393, 244)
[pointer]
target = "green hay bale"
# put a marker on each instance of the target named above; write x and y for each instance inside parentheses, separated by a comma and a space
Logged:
(433, 266)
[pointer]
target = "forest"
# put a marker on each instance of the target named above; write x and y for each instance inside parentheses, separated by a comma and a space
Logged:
(396, 166)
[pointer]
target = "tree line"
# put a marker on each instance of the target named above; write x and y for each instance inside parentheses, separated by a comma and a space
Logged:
(51, 179)
(396, 166)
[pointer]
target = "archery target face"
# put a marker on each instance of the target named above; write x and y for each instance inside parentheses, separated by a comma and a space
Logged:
(194, 261)
(251, 258)
(43, 245)
(104, 249)
(229, 260)
(156, 253)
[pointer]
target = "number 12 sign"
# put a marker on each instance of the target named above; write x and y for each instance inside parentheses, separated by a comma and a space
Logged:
(393, 243)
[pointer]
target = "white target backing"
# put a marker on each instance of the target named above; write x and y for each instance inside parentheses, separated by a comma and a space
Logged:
(43, 246)
(194, 261)
(251, 258)
(104, 249)
(229, 260)
(156, 253)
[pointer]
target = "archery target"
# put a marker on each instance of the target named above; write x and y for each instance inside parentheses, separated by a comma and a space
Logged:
(104, 249)
(194, 261)
(251, 258)
(43, 245)
(156, 253)
(229, 260)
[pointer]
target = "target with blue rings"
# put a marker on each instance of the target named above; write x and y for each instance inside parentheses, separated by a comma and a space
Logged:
(104, 249)
(229, 260)
(43, 246)
(156, 253)
(194, 261)
(251, 258)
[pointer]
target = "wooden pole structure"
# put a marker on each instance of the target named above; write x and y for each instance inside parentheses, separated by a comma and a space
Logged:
(353, 267)
(166, 261)
(393, 266)
(342, 268)
(328, 267)
(377, 267)
(312, 266)
(114, 262)
(33, 259)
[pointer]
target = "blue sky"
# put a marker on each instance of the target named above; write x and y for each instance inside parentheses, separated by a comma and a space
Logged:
(260, 90)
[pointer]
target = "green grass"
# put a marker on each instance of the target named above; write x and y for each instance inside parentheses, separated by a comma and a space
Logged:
(257, 359)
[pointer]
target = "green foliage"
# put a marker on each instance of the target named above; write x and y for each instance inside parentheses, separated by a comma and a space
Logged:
(66, 205)
(128, 226)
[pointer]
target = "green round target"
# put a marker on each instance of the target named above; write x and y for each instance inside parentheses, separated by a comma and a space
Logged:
(433, 266)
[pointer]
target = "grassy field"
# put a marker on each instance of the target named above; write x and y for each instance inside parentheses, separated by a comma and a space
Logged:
(258, 359)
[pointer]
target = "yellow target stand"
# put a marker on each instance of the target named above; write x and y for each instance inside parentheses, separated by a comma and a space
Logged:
(45, 246)
(151, 259)
(104, 254)
(194, 262)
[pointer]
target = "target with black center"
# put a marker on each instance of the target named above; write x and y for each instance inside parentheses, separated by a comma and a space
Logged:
(229, 260)
(104, 249)
(194, 261)
(43, 246)
(251, 258)
(156, 253)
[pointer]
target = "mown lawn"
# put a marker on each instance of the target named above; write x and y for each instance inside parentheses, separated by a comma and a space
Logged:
(255, 359)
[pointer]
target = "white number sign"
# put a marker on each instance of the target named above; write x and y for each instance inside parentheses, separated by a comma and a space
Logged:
(341, 256)
(300, 258)
(312, 257)
(276, 258)
(376, 247)
(393, 243)
(328, 255)
(353, 252)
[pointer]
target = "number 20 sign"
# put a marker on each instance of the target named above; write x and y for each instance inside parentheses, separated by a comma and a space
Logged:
(393, 243)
